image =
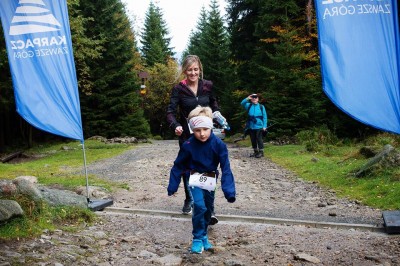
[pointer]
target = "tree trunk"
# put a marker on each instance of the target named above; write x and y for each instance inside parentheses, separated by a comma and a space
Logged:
(376, 159)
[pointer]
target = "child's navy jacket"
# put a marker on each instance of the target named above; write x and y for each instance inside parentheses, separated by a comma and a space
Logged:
(203, 157)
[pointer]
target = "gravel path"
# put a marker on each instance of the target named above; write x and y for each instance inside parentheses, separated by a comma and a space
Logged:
(263, 190)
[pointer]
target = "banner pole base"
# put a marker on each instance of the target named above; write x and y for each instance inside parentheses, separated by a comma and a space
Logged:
(391, 221)
(99, 205)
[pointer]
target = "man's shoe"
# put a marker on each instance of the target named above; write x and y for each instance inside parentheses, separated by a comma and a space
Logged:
(197, 246)
(214, 219)
(187, 207)
(260, 154)
(206, 244)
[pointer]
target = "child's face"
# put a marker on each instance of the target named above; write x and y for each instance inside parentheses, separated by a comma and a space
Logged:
(202, 133)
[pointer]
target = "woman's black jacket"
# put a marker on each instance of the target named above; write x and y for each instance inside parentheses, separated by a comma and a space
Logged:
(183, 98)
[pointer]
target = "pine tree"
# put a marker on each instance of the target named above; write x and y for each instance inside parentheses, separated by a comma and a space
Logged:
(154, 38)
(195, 44)
(216, 58)
(8, 115)
(295, 98)
(112, 108)
(243, 16)
(84, 47)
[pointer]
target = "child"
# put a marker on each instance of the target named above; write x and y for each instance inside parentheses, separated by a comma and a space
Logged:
(202, 153)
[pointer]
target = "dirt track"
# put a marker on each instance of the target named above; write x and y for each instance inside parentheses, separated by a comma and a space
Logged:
(263, 190)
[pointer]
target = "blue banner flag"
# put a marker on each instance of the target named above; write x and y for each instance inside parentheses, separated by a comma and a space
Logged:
(38, 41)
(359, 52)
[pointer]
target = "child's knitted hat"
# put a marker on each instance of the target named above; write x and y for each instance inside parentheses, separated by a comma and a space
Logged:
(200, 121)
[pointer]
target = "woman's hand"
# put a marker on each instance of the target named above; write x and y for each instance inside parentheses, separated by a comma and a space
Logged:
(178, 131)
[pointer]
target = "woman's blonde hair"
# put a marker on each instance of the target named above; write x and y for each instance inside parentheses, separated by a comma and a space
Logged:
(201, 111)
(190, 60)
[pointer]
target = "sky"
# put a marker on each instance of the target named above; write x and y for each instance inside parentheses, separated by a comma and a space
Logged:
(181, 17)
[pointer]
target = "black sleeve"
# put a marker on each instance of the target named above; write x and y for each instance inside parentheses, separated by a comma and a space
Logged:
(172, 109)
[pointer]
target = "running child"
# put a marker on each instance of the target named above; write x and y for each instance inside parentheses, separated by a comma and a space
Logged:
(200, 157)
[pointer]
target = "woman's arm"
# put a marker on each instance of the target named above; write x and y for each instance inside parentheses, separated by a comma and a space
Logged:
(265, 117)
(172, 109)
(245, 102)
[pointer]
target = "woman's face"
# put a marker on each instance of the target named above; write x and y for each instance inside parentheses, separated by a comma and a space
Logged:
(202, 133)
(192, 72)
(254, 100)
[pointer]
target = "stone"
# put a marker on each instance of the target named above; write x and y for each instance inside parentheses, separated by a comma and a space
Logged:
(7, 188)
(170, 259)
(57, 197)
(9, 209)
(29, 178)
(28, 189)
(94, 192)
(307, 257)
(147, 254)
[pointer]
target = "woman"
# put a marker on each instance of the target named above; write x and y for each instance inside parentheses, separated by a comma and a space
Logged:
(256, 123)
(191, 92)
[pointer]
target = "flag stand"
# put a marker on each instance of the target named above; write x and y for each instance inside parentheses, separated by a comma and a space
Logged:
(98, 204)
(391, 221)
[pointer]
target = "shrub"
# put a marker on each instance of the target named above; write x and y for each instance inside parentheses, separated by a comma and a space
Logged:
(317, 138)
(382, 139)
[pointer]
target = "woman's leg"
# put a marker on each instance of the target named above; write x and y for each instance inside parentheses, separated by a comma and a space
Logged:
(253, 138)
(260, 143)
(214, 219)
(260, 140)
(187, 205)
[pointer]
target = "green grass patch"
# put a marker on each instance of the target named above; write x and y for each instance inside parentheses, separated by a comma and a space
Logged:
(335, 168)
(60, 165)
(39, 216)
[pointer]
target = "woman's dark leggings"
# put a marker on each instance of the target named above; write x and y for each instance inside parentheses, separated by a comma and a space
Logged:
(188, 193)
(256, 139)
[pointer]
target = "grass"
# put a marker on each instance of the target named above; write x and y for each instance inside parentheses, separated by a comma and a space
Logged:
(58, 164)
(333, 167)
(39, 216)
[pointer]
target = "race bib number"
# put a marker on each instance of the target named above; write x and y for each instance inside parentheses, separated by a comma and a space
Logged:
(202, 181)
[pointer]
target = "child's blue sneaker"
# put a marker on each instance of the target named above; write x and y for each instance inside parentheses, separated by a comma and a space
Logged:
(207, 245)
(197, 246)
